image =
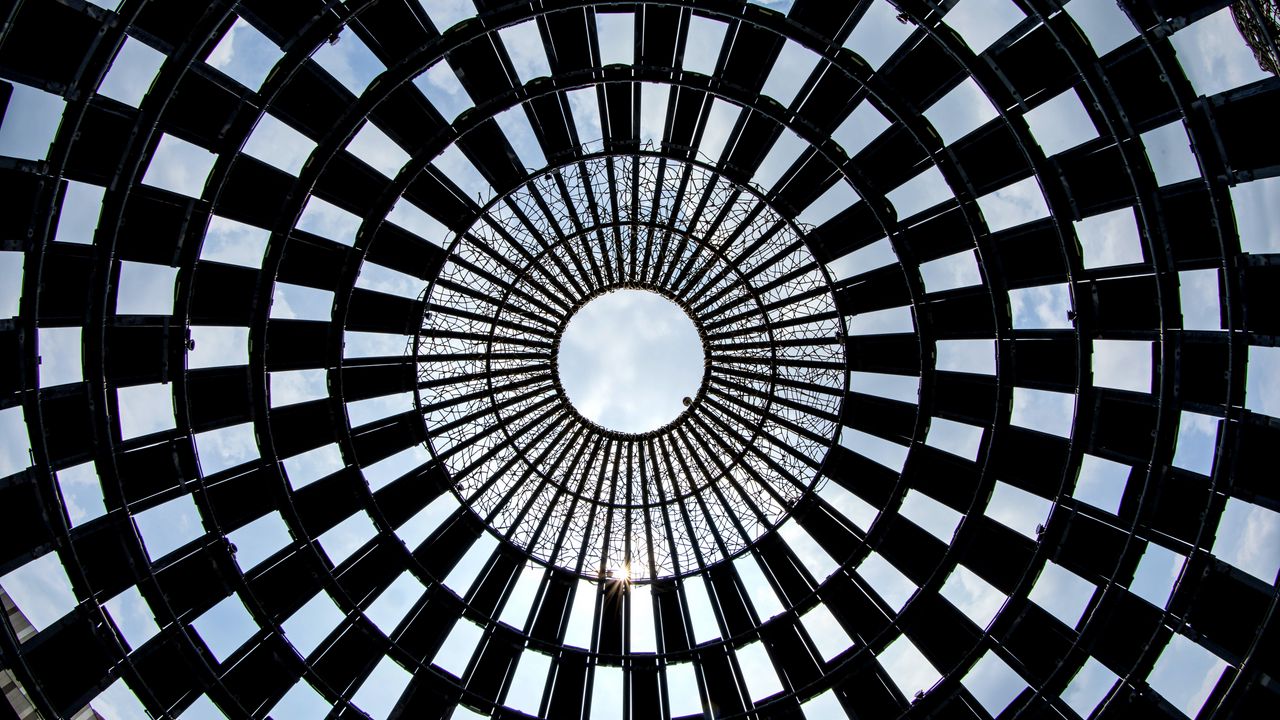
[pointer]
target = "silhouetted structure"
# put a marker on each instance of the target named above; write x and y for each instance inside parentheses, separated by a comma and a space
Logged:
(757, 446)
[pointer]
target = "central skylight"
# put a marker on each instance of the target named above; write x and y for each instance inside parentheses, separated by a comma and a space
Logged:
(628, 359)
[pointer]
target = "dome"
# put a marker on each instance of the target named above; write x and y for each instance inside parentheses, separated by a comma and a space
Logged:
(969, 422)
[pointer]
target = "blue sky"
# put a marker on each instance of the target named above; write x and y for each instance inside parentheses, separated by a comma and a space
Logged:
(614, 364)
(628, 358)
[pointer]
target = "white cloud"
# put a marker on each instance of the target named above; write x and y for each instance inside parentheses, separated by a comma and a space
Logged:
(225, 447)
(81, 493)
(1197, 439)
(826, 632)
(302, 702)
(887, 580)
(525, 693)
(909, 669)
(279, 145)
(935, 518)
(1042, 307)
(218, 346)
(982, 22)
(616, 33)
(879, 322)
(585, 107)
(1185, 674)
(973, 596)
(456, 651)
(1262, 384)
(118, 702)
(259, 539)
(993, 683)
(78, 216)
(1122, 364)
(954, 437)
(895, 387)
(1088, 688)
(225, 627)
(447, 13)
(394, 602)
(1157, 572)
(295, 386)
(1101, 483)
(1017, 509)
(245, 54)
(378, 150)
(719, 126)
(889, 454)
(1062, 593)
(349, 61)
(1257, 210)
(458, 167)
(682, 689)
(305, 468)
(524, 45)
(145, 289)
(823, 707)
(1043, 410)
(384, 686)
(921, 192)
(1248, 537)
(179, 166)
(758, 670)
(878, 34)
(298, 302)
(1103, 22)
(515, 125)
(41, 590)
(1214, 56)
(59, 356)
(346, 537)
(167, 527)
(1110, 238)
(794, 65)
(327, 220)
(312, 622)
(861, 512)
(962, 110)
(1012, 205)
(1061, 123)
(132, 615)
(1198, 297)
(808, 551)
(132, 71)
(1169, 151)
(628, 358)
(30, 123)
(971, 356)
(951, 272)
(145, 409)
(234, 242)
(702, 48)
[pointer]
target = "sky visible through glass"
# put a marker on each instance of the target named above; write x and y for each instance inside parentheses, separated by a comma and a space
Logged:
(628, 359)
(630, 356)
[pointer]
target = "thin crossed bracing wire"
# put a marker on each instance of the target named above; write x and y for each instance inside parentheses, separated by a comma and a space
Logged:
(577, 495)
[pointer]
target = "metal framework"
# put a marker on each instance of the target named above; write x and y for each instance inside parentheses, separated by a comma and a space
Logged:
(753, 466)
(581, 497)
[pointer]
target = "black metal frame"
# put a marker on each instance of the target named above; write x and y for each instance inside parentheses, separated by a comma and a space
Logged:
(66, 46)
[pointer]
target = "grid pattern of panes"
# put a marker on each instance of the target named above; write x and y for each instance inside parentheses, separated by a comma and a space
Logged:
(1050, 228)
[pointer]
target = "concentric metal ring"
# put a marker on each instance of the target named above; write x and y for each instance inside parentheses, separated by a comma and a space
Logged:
(676, 500)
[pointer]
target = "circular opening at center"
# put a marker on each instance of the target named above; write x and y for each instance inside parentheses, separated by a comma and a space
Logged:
(628, 359)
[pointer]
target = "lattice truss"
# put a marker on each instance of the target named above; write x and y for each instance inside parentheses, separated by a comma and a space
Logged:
(594, 501)
(987, 287)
